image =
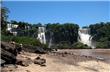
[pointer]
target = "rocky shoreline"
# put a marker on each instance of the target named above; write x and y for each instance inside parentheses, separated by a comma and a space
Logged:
(55, 61)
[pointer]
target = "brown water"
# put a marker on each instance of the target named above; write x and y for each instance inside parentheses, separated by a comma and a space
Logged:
(96, 53)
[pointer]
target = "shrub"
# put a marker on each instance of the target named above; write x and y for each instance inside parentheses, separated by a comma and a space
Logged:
(63, 46)
(105, 44)
(23, 40)
(79, 45)
(6, 38)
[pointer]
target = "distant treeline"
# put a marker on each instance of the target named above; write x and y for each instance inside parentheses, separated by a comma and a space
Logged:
(67, 32)
(62, 35)
(66, 35)
(59, 33)
(101, 34)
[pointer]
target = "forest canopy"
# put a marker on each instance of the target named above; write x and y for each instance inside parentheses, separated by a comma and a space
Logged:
(63, 35)
(101, 34)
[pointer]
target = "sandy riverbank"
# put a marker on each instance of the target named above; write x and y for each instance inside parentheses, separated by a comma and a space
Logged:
(57, 62)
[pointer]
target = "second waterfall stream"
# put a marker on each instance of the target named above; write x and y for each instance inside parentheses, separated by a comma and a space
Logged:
(85, 37)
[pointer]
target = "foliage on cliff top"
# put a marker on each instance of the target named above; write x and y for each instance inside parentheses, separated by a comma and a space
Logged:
(101, 34)
(23, 40)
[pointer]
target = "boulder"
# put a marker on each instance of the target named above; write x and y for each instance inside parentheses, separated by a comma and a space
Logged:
(24, 61)
(7, 57)
(28, 71)
(33, 49)
(2, 61)
(40, 61)
(8, 53)
(40, 50)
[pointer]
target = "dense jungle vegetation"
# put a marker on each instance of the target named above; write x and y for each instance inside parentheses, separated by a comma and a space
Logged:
(62, 35)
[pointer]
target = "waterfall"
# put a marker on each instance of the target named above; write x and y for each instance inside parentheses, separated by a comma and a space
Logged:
(41, 35)
(85, 37)
(50, 39)
(50, 43)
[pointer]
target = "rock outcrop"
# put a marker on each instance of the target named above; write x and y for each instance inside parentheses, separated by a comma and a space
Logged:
(40, 61)
(8, 53)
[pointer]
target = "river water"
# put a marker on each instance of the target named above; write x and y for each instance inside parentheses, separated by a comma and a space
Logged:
(96, 53)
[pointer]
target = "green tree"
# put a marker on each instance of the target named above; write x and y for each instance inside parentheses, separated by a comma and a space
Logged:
(101, 34)
(4, 16)
(63, 32)
(79, 45)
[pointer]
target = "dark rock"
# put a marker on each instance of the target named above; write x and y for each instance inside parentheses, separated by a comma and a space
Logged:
(40, 50)
(33, 49)
(43, 64)
(28, 71)
(9, 47)
(2, 62)
(24, 62)
(18, 49)
(8, 53)
(65, 53)
(7, 56)
(38, 57)
(40, 61)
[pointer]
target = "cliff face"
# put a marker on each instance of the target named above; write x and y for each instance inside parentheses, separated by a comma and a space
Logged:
(8, 53)
(10, 50)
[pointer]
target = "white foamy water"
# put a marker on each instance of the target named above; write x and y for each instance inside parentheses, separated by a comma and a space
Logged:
(50, 43)
(41, 35)
(85, 37)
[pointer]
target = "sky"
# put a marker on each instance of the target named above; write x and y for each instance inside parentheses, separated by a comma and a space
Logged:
(82, 13)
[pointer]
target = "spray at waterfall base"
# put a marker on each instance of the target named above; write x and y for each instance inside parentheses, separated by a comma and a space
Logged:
(85, 37)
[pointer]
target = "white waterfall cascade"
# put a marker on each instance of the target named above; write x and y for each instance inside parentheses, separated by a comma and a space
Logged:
(41, 35)
(85, 37)
(10, 27)
(50, 41)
